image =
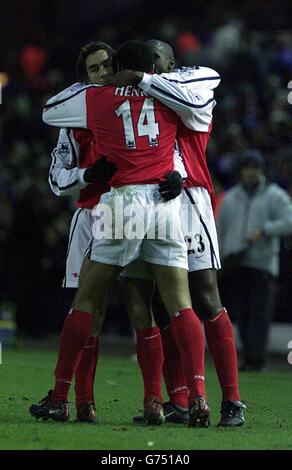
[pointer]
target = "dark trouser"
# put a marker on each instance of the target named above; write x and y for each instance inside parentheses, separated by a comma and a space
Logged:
(251, 295)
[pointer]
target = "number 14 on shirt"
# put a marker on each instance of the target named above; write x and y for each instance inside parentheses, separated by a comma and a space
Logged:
(146, 124)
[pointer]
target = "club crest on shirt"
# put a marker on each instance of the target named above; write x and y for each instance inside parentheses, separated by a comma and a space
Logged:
(64, 149)
(185, 71)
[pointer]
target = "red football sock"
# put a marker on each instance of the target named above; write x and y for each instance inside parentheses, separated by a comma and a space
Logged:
(74, 336)
(85, 372)
(191, 341)
(221, 344)
(173, 370)
(150, 359)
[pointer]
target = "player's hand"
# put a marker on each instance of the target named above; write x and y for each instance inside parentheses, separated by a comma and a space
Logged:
(172, 186)
(124, 78)
(100, 171)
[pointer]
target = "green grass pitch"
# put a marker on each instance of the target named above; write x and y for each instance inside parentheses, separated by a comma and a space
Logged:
(26, 375)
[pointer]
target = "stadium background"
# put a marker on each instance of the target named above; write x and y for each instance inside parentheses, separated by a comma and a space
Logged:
(249, 43)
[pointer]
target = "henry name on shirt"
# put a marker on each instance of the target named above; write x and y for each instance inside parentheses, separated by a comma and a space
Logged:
(129, 91)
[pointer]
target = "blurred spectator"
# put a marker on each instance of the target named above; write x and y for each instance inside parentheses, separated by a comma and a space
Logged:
(253, 216)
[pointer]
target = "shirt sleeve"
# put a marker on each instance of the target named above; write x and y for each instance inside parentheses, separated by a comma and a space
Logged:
(68, 108)
(179, 164)
(189, 92)
(65, 178)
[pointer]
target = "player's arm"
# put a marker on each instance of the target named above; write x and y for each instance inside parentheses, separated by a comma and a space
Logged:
(65, 178)
(182, 83)
(189, 92)
(69, 108)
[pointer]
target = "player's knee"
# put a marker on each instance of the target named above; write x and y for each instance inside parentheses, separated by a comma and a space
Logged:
(210, 303)
(205, 305)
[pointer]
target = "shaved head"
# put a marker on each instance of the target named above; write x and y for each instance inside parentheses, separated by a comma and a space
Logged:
(161, 48)
(164, 56)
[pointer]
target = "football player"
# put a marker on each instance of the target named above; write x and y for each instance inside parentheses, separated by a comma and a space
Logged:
(76, 171)
(173, 88)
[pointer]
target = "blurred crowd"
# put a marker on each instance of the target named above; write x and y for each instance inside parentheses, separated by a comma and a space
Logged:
(252, 113)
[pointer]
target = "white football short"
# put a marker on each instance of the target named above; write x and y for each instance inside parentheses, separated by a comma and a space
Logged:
(131, 222)
(80, 237)
(199, 230)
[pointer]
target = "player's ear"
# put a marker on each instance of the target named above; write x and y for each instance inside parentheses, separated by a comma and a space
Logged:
(171, 64)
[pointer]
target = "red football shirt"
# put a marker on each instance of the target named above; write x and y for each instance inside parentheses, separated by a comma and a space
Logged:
(134, 131)
(192, 145)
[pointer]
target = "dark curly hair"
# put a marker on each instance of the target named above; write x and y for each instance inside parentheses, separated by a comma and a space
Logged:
(135, 55)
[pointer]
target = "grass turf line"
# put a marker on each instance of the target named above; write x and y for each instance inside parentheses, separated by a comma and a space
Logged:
(27, 375)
